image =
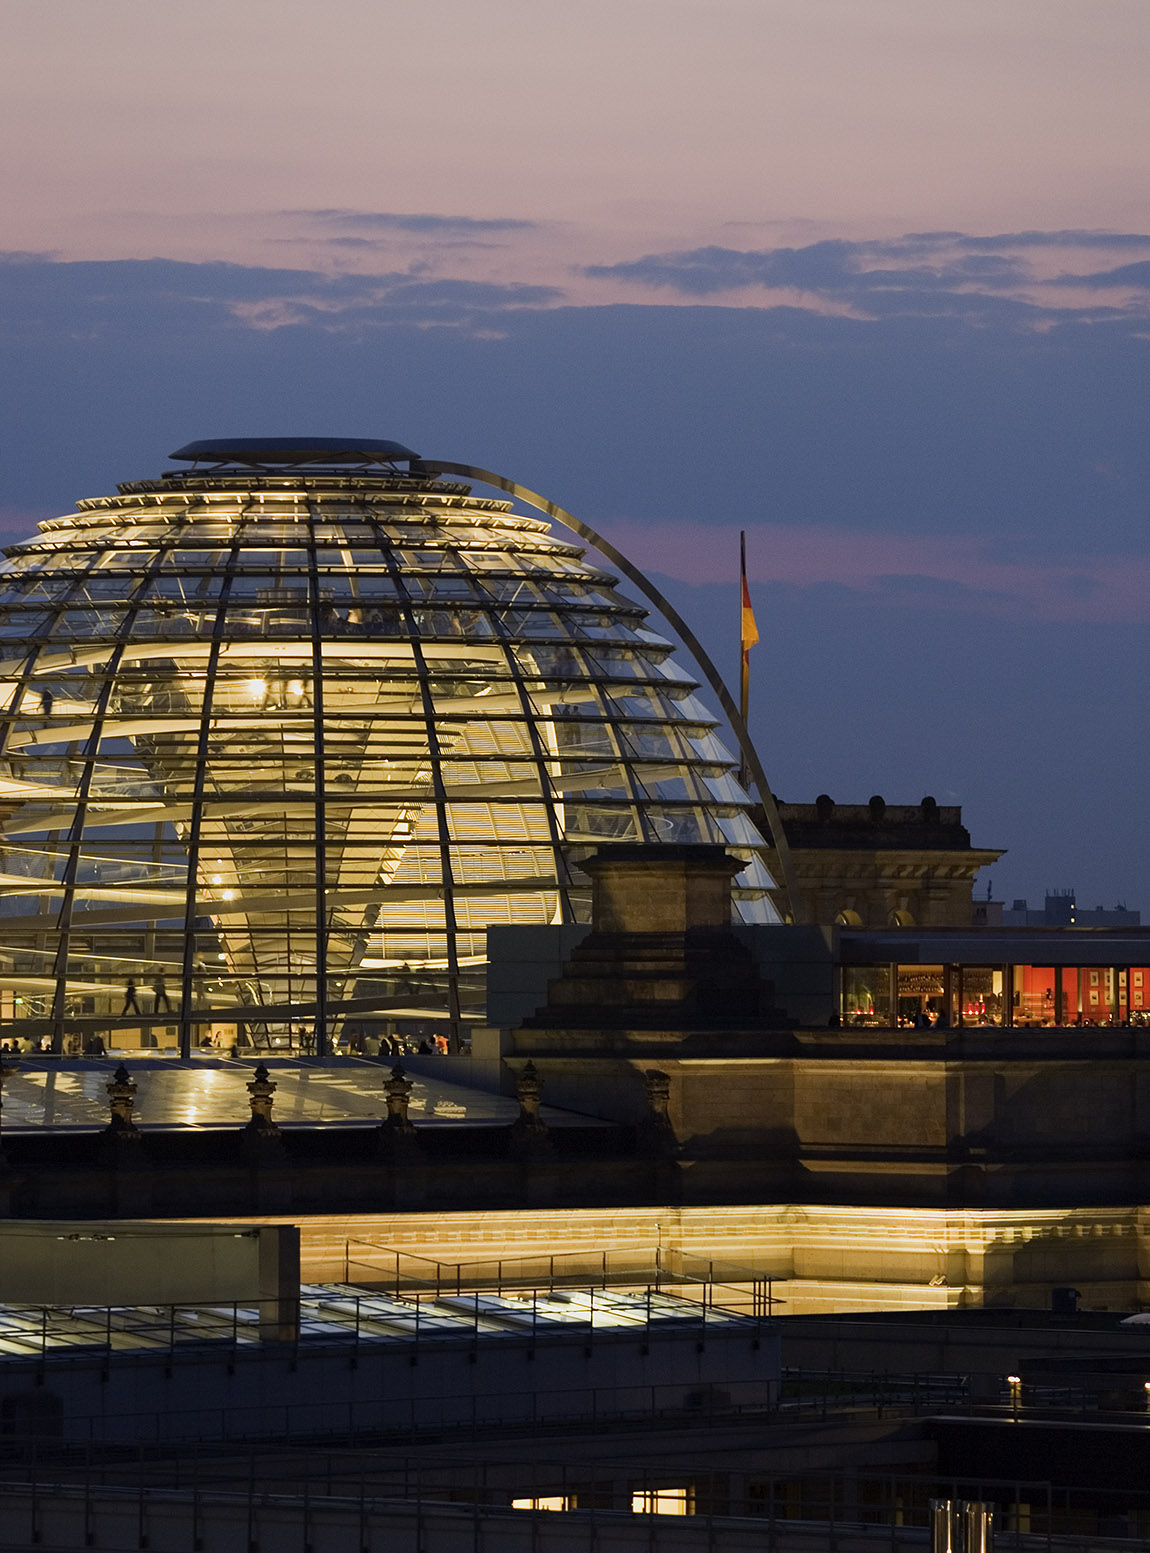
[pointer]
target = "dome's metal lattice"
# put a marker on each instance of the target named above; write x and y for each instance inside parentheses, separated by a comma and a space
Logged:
(280, 743)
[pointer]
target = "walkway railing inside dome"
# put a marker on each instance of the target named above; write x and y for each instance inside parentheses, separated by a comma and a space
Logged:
(714, 679)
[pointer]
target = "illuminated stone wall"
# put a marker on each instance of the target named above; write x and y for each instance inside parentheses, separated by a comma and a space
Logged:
(820, 1258)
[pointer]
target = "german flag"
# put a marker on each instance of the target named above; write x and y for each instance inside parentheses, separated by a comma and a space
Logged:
(748, 630)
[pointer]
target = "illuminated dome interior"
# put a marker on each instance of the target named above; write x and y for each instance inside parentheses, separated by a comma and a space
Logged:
(287, 730)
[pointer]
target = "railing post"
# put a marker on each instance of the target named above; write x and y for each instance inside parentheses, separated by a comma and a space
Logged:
(141, 1535)
(89, 1530)
(34, 1528)
(197, 1540)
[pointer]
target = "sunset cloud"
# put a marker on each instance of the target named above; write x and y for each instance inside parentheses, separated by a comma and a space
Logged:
(917, 572)
(419, 222)
(923, 271)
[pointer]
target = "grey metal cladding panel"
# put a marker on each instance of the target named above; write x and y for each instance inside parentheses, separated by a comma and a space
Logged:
(532, 944)
(1051, 946)
(790, 941)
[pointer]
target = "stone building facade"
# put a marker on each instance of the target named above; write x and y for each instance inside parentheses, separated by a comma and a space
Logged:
(882, 865)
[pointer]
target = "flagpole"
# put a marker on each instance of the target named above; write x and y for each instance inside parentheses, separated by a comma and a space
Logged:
(744, 651)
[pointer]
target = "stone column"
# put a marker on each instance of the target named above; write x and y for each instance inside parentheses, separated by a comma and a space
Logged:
(279, 1276)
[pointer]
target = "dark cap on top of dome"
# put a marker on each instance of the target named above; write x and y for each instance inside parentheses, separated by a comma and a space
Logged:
(294, 450)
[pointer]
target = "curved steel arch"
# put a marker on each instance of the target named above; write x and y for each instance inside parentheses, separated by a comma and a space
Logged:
(686, 635)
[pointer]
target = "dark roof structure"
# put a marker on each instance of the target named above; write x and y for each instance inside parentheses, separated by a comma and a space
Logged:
(294, 450)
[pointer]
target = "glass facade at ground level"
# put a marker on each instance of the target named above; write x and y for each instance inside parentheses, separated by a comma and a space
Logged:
(279, 743)
(1020, 996)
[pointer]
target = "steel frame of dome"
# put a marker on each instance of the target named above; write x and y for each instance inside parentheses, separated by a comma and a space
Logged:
(282, 738)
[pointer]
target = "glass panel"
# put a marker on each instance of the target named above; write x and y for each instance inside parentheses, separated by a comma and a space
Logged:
(981, 995)
(1139, 977)
(1034, 997)
(921, 997)
(866, 996)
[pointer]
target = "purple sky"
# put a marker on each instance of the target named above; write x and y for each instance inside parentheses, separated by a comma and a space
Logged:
(869, 278)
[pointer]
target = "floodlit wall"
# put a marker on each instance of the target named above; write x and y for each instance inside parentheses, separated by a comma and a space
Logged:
(349, 1387)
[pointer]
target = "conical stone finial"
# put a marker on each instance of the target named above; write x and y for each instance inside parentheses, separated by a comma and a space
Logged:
(261, 1091)
(528, 1091)
(397, 1092)
(397, 1138)
(122, 1103)
(658, 1087)
(656, 1132)
(530, 1137)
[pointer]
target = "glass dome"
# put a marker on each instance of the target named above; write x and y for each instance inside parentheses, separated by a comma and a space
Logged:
(284, 735)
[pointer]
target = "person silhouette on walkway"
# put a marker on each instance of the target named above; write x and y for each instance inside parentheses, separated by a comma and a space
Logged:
(131, 1003)
(160, 993)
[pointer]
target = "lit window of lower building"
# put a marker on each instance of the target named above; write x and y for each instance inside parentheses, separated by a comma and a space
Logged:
(662, 1501)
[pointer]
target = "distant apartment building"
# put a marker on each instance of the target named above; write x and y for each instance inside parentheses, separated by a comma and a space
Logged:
(1059, 909)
